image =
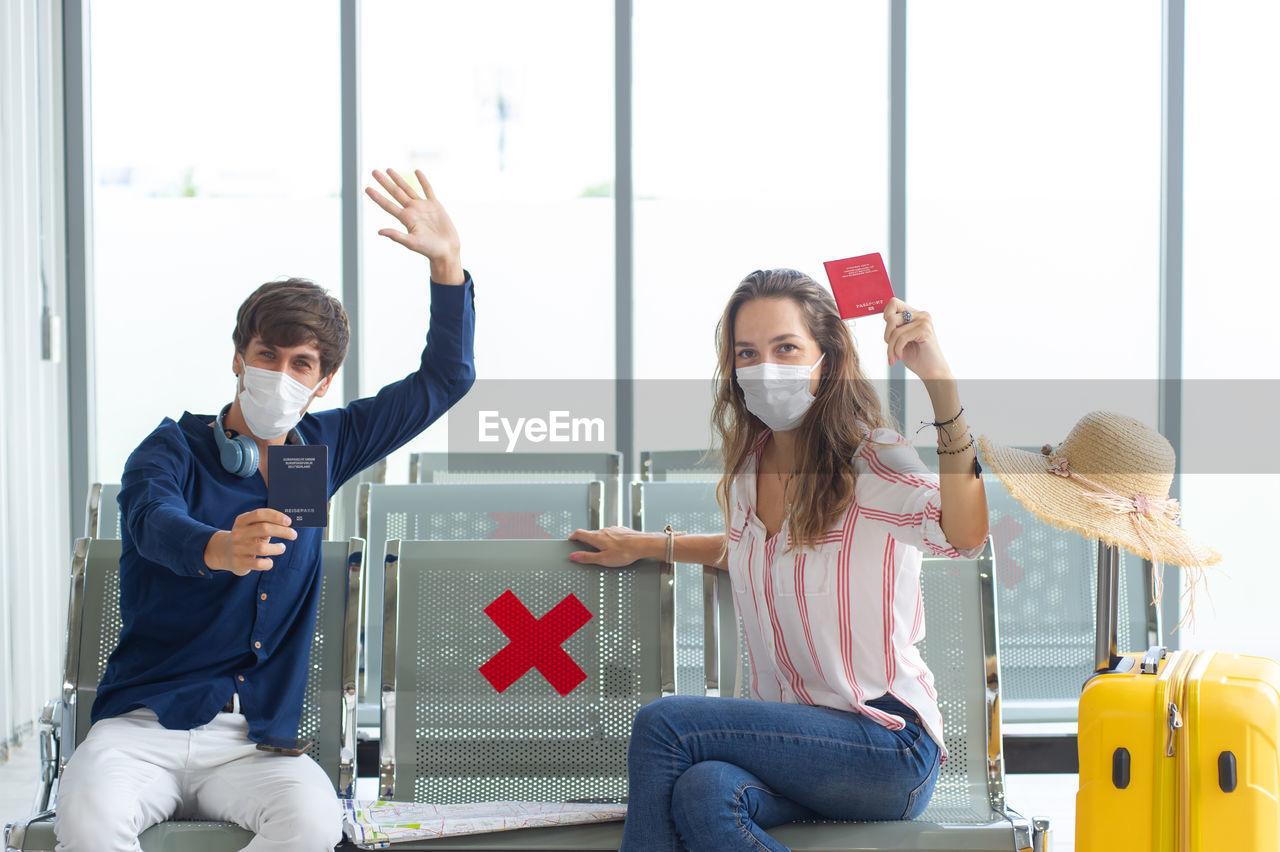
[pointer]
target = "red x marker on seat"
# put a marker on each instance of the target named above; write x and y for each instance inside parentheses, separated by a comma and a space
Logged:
(535, 643)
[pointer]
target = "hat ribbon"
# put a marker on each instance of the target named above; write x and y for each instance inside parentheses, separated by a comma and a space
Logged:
(1141, 504)
(1139, 509)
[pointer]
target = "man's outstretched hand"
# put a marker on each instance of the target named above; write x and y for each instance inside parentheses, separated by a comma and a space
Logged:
(427, 227)
(247, 546)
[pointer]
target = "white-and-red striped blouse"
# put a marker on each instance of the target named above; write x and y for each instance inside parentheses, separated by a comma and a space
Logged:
(836, 625)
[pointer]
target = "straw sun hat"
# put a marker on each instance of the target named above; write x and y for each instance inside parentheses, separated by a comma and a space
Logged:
(1108, 480)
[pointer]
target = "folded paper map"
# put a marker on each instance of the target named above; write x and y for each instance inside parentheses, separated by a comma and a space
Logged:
(378, 824)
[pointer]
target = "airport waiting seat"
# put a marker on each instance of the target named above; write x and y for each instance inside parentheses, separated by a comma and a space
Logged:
(344, 506)
(1047, 579)
(1048, 587)
(449, 735)
(458, 511)
(968, 809)
(526, 467)
(689, 507)
(102, 520)
(93, 628)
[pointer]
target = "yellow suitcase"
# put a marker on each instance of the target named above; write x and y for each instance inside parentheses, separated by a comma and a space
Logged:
(1178, 753)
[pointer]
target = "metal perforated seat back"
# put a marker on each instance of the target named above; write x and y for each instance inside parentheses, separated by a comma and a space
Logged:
(1047, 580)
(328, 702)
(449, 735)
(94, 626)
(734, 675)
(95, 610)
(344, 519)
(434, 511)
(959, 648)
(690, 507)
(526, 467)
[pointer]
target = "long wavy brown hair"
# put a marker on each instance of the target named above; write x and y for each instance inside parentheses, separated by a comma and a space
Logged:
(844, 406)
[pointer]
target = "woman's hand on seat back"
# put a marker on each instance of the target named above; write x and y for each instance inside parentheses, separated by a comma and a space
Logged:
(616, 547)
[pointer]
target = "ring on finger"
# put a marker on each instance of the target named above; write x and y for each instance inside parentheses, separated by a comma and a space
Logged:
(906, 317)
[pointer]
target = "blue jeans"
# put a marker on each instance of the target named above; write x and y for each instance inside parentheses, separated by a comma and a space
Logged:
(711, 774)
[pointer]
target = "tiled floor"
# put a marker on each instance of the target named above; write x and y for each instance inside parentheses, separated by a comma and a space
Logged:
(1051, 796)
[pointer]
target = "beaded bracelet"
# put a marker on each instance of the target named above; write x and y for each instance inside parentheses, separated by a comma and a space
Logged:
(977, 467)
(943, 452)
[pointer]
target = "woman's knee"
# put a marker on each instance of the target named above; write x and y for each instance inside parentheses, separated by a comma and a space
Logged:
(706, 782)
(663, 717)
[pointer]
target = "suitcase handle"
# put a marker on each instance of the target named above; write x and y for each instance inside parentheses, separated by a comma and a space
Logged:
(1106, 652)
(1151, 659)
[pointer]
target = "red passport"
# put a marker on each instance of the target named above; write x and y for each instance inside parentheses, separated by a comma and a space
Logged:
(860, 284)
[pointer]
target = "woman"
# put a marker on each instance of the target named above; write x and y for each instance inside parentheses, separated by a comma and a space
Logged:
(827, 511)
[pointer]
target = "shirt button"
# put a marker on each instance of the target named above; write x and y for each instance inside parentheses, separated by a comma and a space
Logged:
(263, 596)
(240, 678)
(256, 645)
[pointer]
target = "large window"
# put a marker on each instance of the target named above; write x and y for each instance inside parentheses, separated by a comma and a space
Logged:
(760, 141)
(1033, 213)
(216, 167)
(511, 117)
(759, 138)
(1232, 291)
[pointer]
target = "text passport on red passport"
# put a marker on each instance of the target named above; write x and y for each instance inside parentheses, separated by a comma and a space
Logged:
(860, 284)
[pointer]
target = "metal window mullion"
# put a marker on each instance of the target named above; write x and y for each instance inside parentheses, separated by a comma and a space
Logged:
(898, 187)
(351, 195)
(624, 237)
(81, 378)
(55, 491)
(1173, 52)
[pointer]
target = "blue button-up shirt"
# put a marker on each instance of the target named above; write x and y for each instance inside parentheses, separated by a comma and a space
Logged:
(191, 636)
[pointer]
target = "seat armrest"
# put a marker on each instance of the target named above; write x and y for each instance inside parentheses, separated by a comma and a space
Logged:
(15, 835)
(50, 751)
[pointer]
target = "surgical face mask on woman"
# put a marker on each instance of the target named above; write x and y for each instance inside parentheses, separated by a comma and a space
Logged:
(777, 393)
(271, 401)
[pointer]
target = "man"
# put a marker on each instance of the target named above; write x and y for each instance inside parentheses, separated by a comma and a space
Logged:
(218, 594)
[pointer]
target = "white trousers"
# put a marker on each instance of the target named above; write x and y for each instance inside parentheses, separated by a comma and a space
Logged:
(131, 773)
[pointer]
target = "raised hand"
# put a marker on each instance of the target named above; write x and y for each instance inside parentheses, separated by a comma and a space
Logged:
(428, 230)
(912, 340)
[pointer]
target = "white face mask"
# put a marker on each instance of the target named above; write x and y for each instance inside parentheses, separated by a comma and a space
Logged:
(271, 401)
(777, 393)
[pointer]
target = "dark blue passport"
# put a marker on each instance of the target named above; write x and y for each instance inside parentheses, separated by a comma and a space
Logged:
(298, 482)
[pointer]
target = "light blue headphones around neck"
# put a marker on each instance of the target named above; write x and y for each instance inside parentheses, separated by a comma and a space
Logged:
(238, 453)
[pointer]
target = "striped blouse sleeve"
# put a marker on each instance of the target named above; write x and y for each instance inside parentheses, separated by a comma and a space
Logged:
(896, 491)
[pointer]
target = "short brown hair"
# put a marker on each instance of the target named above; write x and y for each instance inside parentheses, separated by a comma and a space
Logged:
(295, 312)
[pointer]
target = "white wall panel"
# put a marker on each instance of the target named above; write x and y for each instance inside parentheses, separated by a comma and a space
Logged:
(34, 545)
